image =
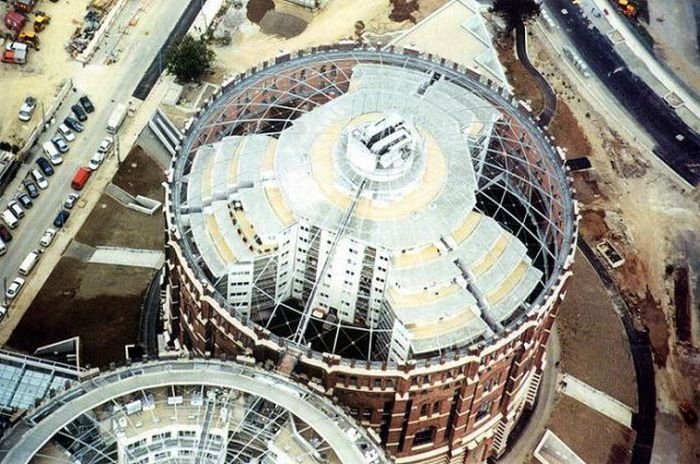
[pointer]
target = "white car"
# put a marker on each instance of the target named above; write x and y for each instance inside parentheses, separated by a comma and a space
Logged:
(3, 311)
(66, 132)
(96, 161)
(55, 158)
(14, 288)
(71, 199)
(48, 236)
(106, 144)
(40, 179)
(27, 109)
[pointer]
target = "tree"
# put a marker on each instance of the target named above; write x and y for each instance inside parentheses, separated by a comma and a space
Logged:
(189, 59)
(515, 12)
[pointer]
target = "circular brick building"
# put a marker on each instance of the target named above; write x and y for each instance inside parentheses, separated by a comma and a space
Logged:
(387, 227)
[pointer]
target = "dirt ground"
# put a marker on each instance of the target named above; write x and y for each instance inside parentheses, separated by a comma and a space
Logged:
(592, 436)
(44, 70)
(250, 45)
(594, 345)
(99, 303)
(634, 201)
(140, 175)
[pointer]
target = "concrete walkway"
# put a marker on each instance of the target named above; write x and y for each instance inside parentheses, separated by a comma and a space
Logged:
(128, 257)
(595, 399)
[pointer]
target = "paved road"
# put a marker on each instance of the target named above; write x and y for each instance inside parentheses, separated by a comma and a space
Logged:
(649, 110)
(105, 85)
(550, 98)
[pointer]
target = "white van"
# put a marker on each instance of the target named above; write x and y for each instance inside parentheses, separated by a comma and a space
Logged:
(29, 262)
(50, 149)
(3, 247)
(9, 219)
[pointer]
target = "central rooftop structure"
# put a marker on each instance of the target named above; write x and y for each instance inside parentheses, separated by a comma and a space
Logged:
(376, 210)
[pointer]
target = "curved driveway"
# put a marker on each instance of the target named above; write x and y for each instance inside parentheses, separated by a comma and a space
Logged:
(550, 98)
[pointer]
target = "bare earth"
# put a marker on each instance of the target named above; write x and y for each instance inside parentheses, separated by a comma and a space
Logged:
(594, 345)
(594, 437)
(634, 201)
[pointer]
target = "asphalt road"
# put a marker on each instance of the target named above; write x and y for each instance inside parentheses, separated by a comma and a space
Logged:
(648, 109)
(550, 98)
(105, 85)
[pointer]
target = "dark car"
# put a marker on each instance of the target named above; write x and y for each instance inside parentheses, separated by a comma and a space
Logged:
(87, 104)
(79, 112)
(61, 218)
(73, 124)
(25, 200)
(5, 234)
(31, 188)
(45, 166)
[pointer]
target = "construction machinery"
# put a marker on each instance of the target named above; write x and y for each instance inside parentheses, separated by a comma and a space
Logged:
(41, 20)
(627, 8)
(30, 38)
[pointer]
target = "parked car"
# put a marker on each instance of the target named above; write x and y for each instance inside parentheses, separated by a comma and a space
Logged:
(14, 288)
(55, 158)
(48, 236)
(3, 311)
(73, 124)
(79, 112)
(27, 109)
(5, 234)
(30, 187)
(16, 209)
(60, 143)
(71, 199)
(25, 200)
(66, 133)
(87, 104)
(45, 166)
(40, 179)
(61, 218)
(96, 161)
(105, 144)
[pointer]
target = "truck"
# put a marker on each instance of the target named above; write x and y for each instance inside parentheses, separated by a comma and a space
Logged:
(24, 5)
(15, 52)
(116, 118)
(15, 21)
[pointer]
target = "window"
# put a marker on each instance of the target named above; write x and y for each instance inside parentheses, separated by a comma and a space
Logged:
(424, 436)
(424, 410)
(436, 407)
(367, 415)
(484, 409)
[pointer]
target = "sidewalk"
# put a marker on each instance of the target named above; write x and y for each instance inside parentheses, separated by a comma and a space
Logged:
(595, 399)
